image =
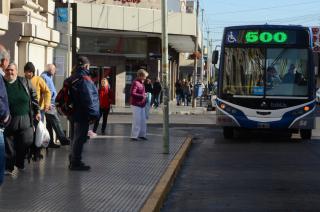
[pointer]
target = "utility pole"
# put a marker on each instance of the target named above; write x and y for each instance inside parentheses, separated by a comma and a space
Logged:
(194, 102)
(202, 47)
(208, 58)
(165, 77)
(67, 71)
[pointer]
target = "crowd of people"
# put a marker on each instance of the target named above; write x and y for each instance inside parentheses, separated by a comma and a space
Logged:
(183, 91)
(27, 100)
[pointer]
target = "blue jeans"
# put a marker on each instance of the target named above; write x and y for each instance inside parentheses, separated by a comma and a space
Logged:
(2, 158)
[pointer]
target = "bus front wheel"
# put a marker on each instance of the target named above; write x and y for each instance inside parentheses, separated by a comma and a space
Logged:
(306, 133)
(228, 132)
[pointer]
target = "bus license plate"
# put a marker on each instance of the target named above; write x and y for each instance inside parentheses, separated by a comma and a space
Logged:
(263, 125)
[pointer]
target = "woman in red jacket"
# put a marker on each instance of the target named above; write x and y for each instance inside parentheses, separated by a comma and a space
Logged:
(105, 98)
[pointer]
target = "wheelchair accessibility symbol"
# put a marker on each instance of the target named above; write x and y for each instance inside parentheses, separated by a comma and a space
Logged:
(231, 38)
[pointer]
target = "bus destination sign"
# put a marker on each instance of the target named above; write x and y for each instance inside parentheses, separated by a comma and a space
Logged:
(264, 37)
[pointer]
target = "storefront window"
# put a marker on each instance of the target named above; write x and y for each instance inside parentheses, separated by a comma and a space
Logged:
(95, 44)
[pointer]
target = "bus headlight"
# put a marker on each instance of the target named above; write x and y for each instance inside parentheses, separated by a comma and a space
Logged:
(228, 108)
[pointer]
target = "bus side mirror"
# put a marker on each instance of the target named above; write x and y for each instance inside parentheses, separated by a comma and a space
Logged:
(215, 57)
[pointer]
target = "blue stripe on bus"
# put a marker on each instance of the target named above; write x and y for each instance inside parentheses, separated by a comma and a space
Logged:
(284, 123)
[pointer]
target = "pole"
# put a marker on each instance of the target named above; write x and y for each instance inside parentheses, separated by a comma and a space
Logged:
(202, 47)
(165, 77)
(66, 73)
(194, 102)
(208, 59)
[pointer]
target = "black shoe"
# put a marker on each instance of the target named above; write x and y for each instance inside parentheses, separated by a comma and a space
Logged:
(103, 132)
(65, 142)
(143, 138)
(134, 139)
(79, 167)
(53, 145)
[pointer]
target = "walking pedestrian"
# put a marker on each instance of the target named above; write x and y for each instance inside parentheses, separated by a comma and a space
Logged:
(138, 98)
(52, 119)
(186, 92)
(4, 120)
(24, 108)
(85, 100)
(43, 98)
(149, 91)
(42, 90)
(105, 99)
(156, 93)
(179, 92)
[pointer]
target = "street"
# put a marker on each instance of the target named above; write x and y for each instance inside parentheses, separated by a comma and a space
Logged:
(254, 172)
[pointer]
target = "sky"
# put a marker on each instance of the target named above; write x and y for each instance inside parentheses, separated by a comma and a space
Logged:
(221, 13)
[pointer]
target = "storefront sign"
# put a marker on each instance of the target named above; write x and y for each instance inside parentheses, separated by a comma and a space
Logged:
(129, 1)
(150, 4)
(316, 38)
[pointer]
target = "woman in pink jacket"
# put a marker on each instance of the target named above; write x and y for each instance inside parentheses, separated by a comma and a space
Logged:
(138, 103)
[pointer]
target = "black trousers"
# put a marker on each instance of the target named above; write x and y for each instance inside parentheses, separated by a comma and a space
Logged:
(79, 137)
(53, 123)
(18, 136)
(104, 113)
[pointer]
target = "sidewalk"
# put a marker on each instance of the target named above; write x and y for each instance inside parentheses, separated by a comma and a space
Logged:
(123, 175)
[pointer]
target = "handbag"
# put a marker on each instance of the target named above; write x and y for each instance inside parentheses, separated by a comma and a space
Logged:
(42, 135)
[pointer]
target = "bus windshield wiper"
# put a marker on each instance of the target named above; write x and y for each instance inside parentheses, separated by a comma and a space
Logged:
(278, 57)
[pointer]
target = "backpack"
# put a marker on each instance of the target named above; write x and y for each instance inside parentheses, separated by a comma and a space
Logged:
(63, 100)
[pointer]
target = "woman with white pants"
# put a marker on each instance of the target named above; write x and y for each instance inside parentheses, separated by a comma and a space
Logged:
(138, 102)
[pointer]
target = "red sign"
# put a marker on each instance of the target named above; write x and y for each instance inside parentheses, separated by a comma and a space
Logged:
(315, 39)
(129, 1)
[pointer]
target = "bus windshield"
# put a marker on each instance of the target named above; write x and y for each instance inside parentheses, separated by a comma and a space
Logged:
(259, 72)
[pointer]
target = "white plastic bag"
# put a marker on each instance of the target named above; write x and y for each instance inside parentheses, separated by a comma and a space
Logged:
(42, 135)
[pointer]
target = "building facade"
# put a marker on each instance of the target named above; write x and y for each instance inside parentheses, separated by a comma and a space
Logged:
(119, 37)
(30, 32)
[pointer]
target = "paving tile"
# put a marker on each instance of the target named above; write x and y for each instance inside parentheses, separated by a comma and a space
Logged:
(123, 175)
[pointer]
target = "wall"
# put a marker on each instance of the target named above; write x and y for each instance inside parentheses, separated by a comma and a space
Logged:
(30, 36)
(150, 4)
(133, 19)
(4, 15)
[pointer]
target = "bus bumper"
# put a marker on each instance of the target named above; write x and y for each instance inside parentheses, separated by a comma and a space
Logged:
(287, 122)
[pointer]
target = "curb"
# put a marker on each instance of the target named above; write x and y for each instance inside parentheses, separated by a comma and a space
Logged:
(157, 197)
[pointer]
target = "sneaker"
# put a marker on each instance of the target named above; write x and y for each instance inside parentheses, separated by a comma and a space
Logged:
(91, 134)
(79, 167)
(143, 138)
(134, 139)
(103, 132)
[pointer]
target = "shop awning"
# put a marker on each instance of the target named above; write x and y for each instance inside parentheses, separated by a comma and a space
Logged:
(182, 44)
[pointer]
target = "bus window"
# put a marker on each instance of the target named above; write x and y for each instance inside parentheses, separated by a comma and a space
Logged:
(287, 72)
(244, 71)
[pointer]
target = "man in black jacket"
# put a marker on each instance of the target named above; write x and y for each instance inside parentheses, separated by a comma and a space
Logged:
(85, 98)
